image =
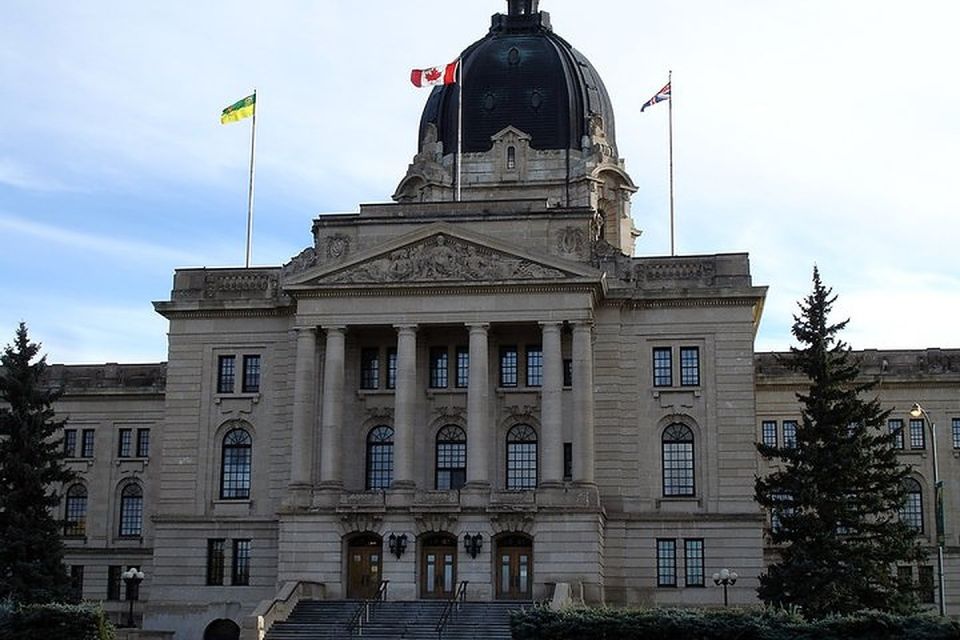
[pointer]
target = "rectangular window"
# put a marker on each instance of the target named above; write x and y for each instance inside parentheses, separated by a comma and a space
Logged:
(925, 588)
(215, 560)
(463, 367)
(917, 436)
(666, 563)
(690, 366)
(226, 373)
(568, 372)
(662, 367)
(534, 365)
(895, 426)
(439, 366)
(693, 562)
(508, 366)
(369, 368)
(251, 374)
(143, 443)
(568, 461)
(69, 443)
(114, 573)
(240, 575)
(790, 434)
(955, 429)
(769, 428)
(76, 579)
(905, 578)
(125, 444)
(87, 444)
(391, 368)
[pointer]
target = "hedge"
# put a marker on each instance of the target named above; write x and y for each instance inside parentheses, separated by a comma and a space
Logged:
(53, 621)
(541, 623)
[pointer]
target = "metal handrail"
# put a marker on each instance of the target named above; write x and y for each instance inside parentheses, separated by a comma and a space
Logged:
(454, 603)
(362, 613)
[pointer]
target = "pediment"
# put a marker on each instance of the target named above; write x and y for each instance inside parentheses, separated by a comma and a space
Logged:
(442, 255)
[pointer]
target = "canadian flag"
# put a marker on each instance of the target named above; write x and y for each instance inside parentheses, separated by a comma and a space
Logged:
(435, 75)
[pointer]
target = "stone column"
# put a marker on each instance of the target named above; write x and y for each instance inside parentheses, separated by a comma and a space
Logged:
(304, 416)
(332, 416)
(551, 407)
(478, 409)
(583, 458)
(404, 408)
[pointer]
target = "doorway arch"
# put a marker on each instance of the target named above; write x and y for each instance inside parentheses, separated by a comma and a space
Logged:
(438, 565)
(513, 567)
(364, 565)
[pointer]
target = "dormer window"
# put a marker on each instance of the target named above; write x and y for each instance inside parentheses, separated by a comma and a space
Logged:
(511, 157)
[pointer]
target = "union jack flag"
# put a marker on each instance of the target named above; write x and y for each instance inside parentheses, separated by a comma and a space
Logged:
(663, 94)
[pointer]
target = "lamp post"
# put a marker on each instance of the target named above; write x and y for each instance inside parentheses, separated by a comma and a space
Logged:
(726, 578)
(917, 412)
(132, 577)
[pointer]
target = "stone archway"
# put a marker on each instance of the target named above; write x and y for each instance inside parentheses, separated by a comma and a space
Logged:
(222, 629)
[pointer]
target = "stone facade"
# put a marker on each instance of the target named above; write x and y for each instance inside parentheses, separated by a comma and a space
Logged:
(500, 368)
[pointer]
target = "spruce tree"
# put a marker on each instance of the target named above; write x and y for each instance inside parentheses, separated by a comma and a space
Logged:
(31, 466)
(836, 493)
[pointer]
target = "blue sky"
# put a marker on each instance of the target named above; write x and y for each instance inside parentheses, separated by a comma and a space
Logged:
(818, 132)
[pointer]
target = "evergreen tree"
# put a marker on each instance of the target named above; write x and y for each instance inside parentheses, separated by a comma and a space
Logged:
(834, 496)
(31, 465)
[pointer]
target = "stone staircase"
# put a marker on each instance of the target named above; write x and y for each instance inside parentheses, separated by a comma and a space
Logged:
(416, 620)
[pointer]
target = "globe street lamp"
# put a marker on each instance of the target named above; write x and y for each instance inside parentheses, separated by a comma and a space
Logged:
(726, 578)
(917, 412)
(132, 577)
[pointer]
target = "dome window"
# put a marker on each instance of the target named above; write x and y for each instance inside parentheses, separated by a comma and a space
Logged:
(513, 56)
(511, 157)
(489, 102)
(536, 100)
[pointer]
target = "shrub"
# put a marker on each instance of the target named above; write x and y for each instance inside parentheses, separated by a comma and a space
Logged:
(49, 621)
(722, 624)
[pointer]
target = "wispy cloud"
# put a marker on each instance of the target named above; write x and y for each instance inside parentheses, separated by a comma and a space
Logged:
(105, 245)
(15, 174)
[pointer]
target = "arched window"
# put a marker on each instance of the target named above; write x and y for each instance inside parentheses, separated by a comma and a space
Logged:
(451, 457)
(131, 510)
(912, 510)
(677, 451)
(511, 157)
(380, 458)
(521, 458)
(75, 511)
(235, 470)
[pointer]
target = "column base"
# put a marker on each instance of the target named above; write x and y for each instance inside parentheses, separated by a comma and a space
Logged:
(299, 496)
(401, 493)
(475, 493)
(588, 493)
(327, 493)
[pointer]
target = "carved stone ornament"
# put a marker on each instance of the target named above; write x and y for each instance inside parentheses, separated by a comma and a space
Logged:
(521, 412)
(240, 285)
(570, 240)
(360, 522)
(338, 246)
(450, 413)
(300, 262)
(444, 259)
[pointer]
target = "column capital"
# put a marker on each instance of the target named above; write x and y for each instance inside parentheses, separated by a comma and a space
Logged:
(551, 324)
(336, 328)
(406, 328)
(478, 326)
(305, 330)
(582, 324)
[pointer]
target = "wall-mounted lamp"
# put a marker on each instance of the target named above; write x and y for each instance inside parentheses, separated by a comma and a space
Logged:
(473, 543)
(397, 544)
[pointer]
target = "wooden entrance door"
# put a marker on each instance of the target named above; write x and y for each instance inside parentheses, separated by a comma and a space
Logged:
(514, 568)
(364, 559)
(438, 567)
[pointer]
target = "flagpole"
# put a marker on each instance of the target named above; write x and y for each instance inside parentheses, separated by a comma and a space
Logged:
(673, 251)
(459, 125)
(253, 148)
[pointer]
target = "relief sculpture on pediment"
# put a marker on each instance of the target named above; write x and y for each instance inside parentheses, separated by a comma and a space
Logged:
(444, 259)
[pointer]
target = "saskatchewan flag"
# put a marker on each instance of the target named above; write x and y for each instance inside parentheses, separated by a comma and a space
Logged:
(240, 109)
